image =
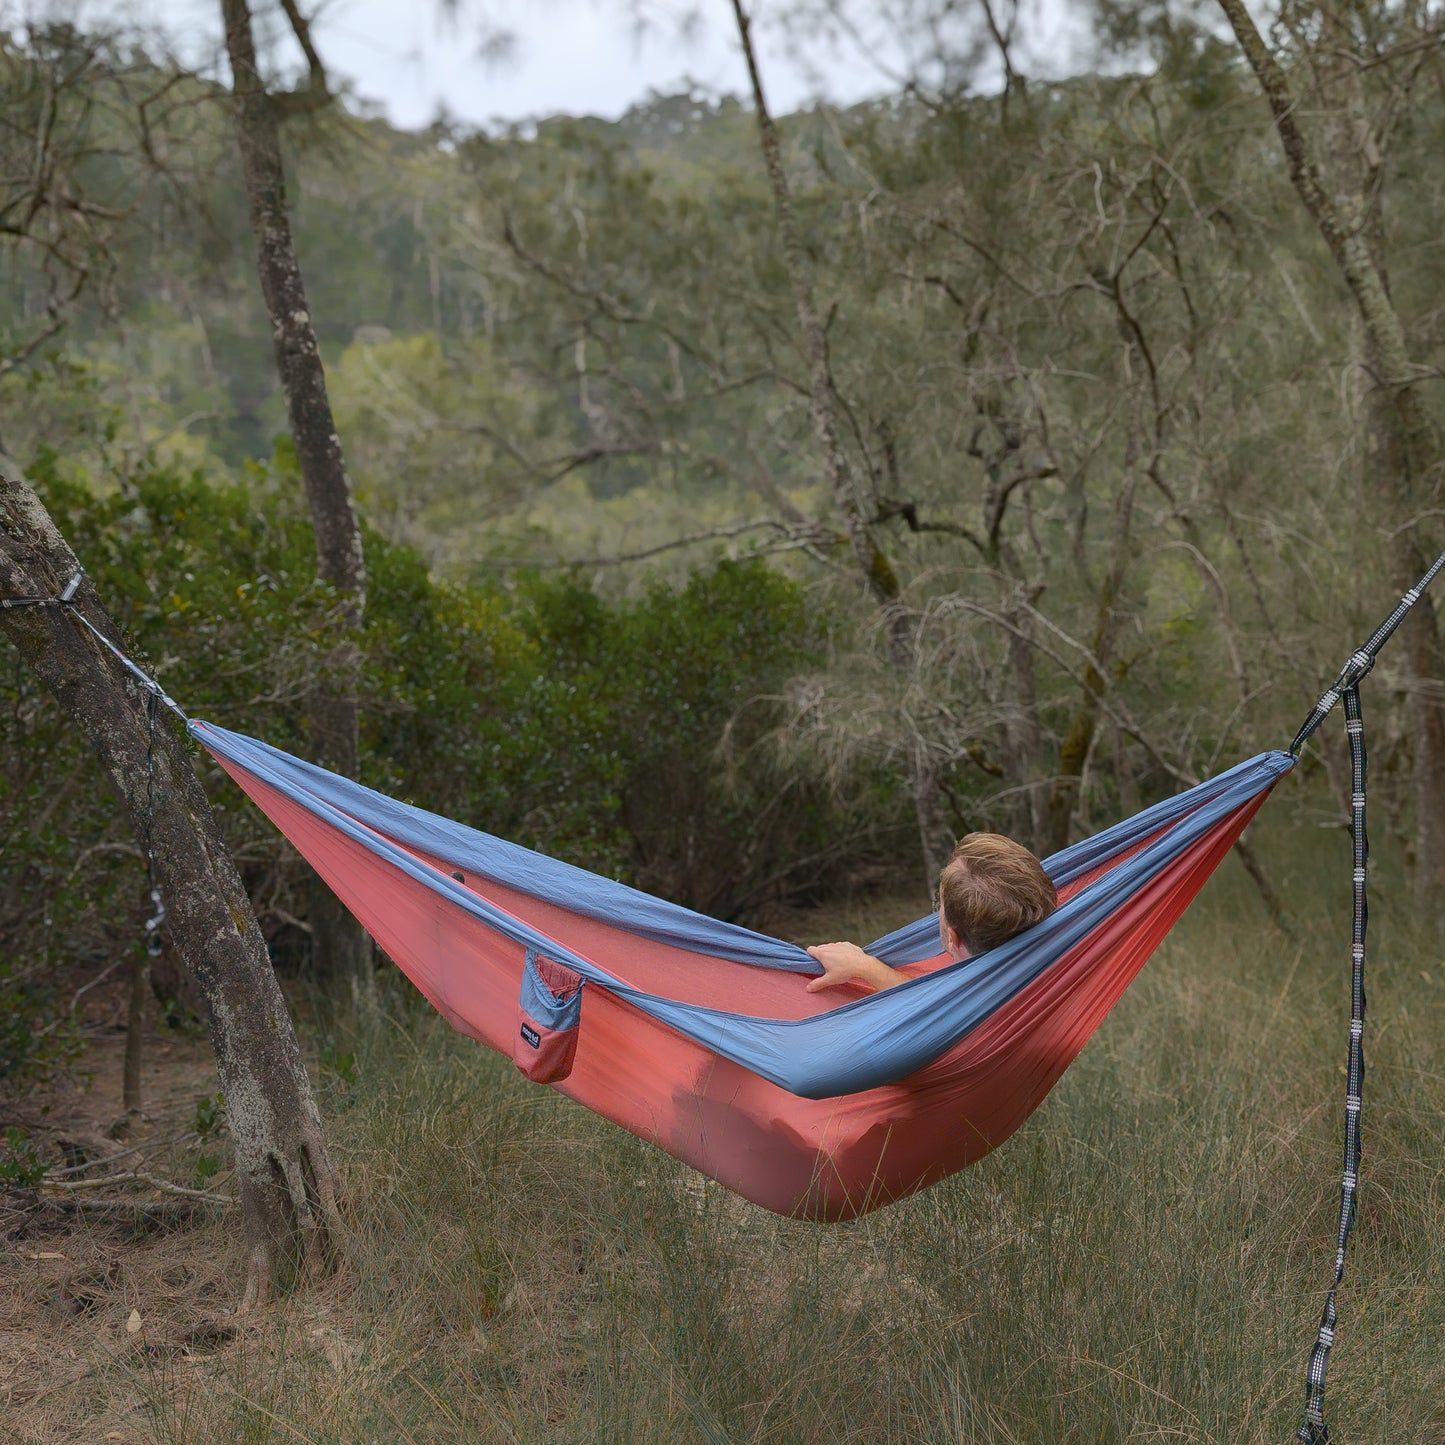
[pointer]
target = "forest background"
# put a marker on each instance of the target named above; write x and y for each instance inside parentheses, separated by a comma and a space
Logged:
(1100, 510)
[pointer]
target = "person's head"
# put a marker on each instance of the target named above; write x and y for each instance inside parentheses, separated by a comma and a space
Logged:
(989, 890)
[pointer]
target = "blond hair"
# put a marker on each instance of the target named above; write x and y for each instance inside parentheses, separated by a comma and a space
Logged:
(992, 888)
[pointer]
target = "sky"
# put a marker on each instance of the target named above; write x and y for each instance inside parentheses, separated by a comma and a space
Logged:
(581, 57)
(576, 56)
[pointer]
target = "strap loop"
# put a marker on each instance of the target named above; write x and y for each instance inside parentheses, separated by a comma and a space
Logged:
(6, 603)
(1314, 1431)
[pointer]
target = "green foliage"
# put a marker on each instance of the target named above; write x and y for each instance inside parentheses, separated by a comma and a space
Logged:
(204, 1169)
(425, 476)
(684, 679)
(340, 1063)
(20, 1162)
(33, 1033)
(210, 1116)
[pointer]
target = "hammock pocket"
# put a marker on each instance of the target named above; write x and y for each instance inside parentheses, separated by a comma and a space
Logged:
(700, 1035)
(549, 1014)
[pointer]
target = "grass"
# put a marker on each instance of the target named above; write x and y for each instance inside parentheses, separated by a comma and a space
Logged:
(1144, 1261)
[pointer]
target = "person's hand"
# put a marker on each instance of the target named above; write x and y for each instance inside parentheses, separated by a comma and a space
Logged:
(847, 963)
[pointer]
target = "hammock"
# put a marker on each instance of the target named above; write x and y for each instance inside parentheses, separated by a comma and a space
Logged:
(699, 1036)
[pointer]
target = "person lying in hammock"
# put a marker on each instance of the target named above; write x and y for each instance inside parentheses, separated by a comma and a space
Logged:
(989, 890)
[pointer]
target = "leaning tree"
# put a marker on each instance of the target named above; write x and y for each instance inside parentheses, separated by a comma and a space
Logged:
(288, 1186)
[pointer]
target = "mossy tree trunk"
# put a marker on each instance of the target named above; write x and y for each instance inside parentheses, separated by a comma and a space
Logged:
(853, 495)
(288, 1186)
(341, 948)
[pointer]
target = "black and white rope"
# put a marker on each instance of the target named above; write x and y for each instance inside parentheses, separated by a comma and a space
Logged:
(1346, 687)
(156, 693)
(158, 904)
(1362, 660)
(1314, 1431)
(66, 599)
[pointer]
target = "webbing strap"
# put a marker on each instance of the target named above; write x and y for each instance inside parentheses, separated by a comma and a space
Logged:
(1362, 660)
(66, 599)
(1346, 686)
(1314, 1431)
(145, 680)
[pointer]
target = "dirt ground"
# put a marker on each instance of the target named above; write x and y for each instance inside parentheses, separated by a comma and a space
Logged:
(98, 1282)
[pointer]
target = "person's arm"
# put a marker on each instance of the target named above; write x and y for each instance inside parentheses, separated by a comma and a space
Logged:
(847, 963)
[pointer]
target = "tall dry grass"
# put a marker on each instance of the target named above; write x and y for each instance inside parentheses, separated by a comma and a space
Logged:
(1145, 1260)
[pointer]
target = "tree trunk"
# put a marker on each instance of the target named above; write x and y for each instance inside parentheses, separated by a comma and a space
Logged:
(853, 505)
(341, 948)
(288, 1185)
(1064, 795)
(1401, 446)
(855, 501)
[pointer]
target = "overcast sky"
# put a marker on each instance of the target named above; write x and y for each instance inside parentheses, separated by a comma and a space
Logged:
(578, 56)
(574, 56)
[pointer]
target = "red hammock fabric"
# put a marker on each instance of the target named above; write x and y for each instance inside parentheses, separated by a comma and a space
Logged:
(824, 1159)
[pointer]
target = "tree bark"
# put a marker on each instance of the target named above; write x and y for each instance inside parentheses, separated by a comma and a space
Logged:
(1401, 446)
(1077, 745)
(854, 500)
(341, 947)
(289, 1189)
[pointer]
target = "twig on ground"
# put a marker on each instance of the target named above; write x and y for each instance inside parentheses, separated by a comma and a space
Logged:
(111, 1158)
(138, 1176)
(30, 1202)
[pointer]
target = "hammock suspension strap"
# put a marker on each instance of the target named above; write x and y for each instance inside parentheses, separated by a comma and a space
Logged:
(1363, 659)
(1314, 1431)
(155, 693)
(1346, 688)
